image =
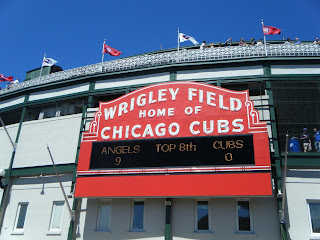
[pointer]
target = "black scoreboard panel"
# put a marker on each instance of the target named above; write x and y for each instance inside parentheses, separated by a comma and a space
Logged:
(173, 152)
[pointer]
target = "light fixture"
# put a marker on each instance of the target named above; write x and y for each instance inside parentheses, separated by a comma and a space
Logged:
(2, 173)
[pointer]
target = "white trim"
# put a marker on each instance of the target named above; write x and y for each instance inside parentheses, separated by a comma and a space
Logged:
(312, 234)
(254, 123)
(15, 229)
(53, 211)
(295, 69)
(133, 81)
(57, 92)
(220, 72)
(175, 170)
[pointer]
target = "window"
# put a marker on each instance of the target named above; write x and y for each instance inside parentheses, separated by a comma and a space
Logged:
(244, 220)
(138, 216)
(11, 117)
(21, 216)
(55, 109)
(56, 216)
(104, 212)
(202, 216)
(107, 97)
(314, 208)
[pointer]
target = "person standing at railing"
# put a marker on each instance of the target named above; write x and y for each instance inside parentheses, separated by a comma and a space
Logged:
(288, 41)
(297, 41)
(203, 45)
(253, 42)
(306, 142)
(317, 41)
(316, 137)
(259, 43)
(242, 43)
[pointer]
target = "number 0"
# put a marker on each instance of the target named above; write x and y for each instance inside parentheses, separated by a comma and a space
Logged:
(228, 157)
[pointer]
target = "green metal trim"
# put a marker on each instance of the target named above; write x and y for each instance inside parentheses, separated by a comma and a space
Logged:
(284, 233)
(277, 156)
(303, 162)
(74, 176)
(71, 226)
(167, 229)
(84, 110)
(267, 70)
(302, 159)
(6, 192)
(167, 232)
(23, 113)
(173, 76)
(92, 86)
(302, 154)
(295, 77)
(45, 170)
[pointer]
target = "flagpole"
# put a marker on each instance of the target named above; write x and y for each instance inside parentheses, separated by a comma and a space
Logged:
(44, 57)
(265, 41)
(178, 46)
(104, 42)
(284, 179)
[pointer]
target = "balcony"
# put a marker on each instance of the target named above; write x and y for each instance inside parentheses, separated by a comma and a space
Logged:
(169, 58)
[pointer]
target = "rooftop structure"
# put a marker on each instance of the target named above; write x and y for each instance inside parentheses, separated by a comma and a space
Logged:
(173, 57)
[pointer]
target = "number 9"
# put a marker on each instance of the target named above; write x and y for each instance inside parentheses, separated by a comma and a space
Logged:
(118, 161)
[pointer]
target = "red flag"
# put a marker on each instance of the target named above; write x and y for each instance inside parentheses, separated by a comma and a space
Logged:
(3, 78)
(110, 50)
(267, 30)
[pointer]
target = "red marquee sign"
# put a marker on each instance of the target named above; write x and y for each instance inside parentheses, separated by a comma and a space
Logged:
(206, 132)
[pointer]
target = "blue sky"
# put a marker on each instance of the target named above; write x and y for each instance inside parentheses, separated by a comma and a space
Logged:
(72, 32)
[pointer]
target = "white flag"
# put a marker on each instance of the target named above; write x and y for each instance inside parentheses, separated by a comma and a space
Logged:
(49, 62)
(183, 38)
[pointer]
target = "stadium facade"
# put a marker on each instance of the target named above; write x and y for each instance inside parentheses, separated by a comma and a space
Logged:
(165, 146)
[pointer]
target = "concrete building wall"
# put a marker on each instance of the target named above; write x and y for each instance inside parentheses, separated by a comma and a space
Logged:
(6, 148)
(303, 186)
(40, 194)
(120, 224)
(60, 133)
(222, 214)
